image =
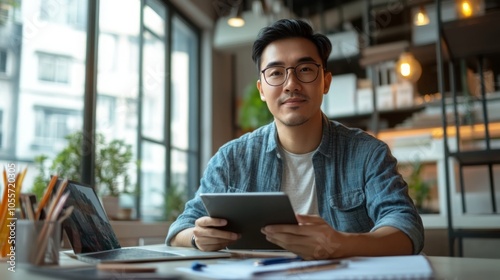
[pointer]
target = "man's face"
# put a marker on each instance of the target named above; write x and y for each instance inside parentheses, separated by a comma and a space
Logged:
(294, 102)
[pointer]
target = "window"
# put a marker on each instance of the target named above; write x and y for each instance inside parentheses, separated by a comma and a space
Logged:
(184, 105)
(109, 48)
(169, 141)
(65, 12)
(143, 45)
(53, 124)
(54, 68)
(155, 178)
(3, 62)
(4, 14)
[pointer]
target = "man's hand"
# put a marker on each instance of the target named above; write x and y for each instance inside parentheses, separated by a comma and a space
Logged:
(312, 239)
(209, 238)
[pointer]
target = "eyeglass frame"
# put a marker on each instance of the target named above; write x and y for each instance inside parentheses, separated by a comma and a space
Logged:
(294, 68)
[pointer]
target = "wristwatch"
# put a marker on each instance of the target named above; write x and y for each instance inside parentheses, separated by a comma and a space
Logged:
(193, 242)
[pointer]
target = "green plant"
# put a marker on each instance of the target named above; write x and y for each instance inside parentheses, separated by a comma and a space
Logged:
(253, 111)
(111, 162)
(419, 189)
(175, 199)
(114, 159)
(41, 180)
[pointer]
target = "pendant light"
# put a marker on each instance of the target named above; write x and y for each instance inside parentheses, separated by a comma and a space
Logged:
(236, 19)
(421, 18)
(468, 8)
(408, 68)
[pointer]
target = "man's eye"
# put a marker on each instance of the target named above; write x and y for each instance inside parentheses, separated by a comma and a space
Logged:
(275, 73)
(305, 69)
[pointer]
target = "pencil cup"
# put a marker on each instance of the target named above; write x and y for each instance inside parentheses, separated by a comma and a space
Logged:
(38, 242)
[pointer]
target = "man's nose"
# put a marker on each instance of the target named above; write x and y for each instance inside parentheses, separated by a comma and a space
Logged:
(292, 83)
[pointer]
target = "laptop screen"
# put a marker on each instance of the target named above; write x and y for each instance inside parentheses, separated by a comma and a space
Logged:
(88, 227)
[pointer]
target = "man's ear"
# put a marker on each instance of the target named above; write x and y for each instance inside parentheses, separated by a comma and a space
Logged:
(327, 82)
(259, 86)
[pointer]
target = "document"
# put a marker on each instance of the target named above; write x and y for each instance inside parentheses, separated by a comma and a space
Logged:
(393, 267)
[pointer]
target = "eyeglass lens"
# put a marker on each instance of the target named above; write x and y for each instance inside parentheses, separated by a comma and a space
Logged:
(305, 72)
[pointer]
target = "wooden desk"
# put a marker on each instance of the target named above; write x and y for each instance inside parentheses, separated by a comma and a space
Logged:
(444, 268)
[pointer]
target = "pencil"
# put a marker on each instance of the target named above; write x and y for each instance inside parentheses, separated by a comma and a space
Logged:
(55, 200)
(3, 209)
(17, 190)
(45, 197)
(19, 183)
(3, 214)
(55, 209)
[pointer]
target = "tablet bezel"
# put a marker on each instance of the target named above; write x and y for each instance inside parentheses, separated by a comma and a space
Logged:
(247, 213)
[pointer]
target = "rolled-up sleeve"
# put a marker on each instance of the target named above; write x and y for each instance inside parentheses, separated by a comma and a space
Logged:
(388, 202)
(213, 180)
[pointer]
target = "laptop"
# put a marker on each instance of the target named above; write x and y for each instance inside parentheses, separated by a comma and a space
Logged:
(93, 240)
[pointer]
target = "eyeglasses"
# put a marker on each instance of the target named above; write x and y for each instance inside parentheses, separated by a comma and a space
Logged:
(306, 72)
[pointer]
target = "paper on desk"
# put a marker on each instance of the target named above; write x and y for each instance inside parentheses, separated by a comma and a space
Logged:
(407, 267)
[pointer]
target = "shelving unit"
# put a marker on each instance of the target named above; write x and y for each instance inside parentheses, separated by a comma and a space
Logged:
(391, 118)
(471, 40)
(377, 50)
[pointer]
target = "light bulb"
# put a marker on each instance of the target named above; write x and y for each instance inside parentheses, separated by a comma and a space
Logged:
(236, 22)
(468, 8)
(421, 17)
(235, 19)
(405, 69)
(408, 68)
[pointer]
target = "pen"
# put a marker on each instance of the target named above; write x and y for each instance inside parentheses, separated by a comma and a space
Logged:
(196, 266)
(278, 260)
(313, 267)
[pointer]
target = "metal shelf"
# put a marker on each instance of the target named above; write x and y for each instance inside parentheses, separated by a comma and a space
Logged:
(473, 36)
(473, 39)
(483, 157)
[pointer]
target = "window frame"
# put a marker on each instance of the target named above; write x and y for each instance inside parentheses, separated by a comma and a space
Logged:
(4, 62)
(193, 155)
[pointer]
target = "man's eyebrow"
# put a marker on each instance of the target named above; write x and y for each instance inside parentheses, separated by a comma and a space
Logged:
(274, 63)
(306, 59)
(300, 60)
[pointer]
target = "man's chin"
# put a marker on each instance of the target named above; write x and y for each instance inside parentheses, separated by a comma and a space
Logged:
(293, 121)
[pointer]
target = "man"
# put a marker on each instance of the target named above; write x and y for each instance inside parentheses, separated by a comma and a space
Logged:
(343, 183)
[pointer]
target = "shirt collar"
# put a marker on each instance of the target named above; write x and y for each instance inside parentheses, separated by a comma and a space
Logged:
(326, 140)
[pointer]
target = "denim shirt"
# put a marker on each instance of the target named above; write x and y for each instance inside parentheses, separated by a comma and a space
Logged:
(358, 186)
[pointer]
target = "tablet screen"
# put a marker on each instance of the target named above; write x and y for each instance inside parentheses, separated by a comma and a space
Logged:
(247, 213)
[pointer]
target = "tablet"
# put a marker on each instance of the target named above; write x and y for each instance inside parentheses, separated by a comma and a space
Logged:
(247, 213)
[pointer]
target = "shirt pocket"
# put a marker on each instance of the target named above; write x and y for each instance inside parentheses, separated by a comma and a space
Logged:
(350, 212)
(348, 200)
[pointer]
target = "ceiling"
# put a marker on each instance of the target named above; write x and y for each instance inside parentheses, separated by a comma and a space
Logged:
(301, 8)
(307, 8)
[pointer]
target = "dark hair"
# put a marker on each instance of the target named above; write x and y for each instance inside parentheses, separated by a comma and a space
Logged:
(289, 28)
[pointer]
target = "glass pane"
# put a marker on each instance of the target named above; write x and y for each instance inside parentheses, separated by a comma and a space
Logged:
(184, 83)
(184, 107)
(153, 101)
(179, 169)
(152, 181)
(117, 80)
(154, 21)
(42, 103)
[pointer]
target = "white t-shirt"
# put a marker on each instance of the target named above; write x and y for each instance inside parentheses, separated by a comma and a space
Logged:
(299, 182)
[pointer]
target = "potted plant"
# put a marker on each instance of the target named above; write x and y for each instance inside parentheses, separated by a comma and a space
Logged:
(41, 180)
(253, 111)
(111, 166)
(174, 198)
(419, 189)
